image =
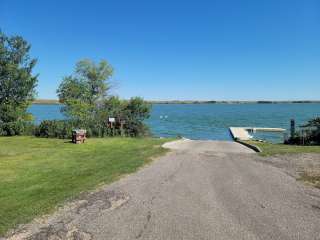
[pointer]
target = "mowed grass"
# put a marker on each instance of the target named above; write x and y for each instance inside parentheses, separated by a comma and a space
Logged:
(37, 174)
(273, 149)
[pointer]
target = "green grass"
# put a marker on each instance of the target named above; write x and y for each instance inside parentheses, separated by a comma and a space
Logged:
(37, 174)
(272, 149)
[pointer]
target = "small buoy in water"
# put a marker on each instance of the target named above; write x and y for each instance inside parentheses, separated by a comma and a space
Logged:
(165, 116)
(161, 116)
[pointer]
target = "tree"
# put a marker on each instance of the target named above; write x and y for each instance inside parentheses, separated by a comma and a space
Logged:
(313, 123)
(131, 112)
(137, 110)
(314, 132)
(88, 104)
(309, 133)
(82, 91)
(17, 83)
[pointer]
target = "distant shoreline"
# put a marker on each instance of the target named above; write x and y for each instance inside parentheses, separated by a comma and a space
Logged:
(46, 101)
(54, 101)
(230, 102)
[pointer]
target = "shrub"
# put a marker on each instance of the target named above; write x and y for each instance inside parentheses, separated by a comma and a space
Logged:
(54, 129)
(309, 134)
(19, 127)
(63, 129)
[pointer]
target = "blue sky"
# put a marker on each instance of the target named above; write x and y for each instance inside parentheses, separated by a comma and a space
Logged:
(164, 50)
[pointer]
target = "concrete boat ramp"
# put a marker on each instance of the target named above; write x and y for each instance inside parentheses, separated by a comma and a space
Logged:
(242, 133)
(206, 146)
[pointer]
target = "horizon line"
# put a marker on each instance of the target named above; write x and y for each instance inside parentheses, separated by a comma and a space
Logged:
(40, 100)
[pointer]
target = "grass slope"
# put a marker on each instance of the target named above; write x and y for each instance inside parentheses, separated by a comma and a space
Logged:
(272, 149)
(37, 174)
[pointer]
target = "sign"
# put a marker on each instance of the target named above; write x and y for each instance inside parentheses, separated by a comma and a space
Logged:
(112, 120)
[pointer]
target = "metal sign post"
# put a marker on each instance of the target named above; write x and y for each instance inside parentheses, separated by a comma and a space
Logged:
(122, 123)
(112, 120)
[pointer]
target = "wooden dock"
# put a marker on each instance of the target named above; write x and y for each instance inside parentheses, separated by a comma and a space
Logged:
(242, 133)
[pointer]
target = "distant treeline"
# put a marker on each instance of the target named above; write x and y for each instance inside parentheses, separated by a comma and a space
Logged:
(54, 101)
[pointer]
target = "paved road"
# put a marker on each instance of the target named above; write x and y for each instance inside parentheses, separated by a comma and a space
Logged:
(201, 190)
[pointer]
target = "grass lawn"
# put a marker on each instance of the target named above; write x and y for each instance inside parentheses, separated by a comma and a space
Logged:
(36, 174)
(272, 149)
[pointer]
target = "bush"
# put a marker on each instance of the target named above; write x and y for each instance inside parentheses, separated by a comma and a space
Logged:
(63, 129)
(309, 134)
(19, 127)
(54, 129)
(136, 129)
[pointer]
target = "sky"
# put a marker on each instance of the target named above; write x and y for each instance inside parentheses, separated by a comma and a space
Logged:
(177, 50)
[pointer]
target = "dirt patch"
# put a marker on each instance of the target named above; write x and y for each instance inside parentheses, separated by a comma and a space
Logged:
(304, 166)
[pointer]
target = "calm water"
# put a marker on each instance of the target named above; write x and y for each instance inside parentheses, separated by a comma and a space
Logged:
(210, 121)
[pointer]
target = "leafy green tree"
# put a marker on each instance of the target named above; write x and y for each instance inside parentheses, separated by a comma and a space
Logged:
(96, 77)
(111, 107)
(315, 122)
(314, 133)
(137, 110)
(309, 133)
(131, 113)
(87, 103)
(17, 83)
(82, 91)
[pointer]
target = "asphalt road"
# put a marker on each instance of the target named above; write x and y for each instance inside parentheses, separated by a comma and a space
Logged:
(200, 190)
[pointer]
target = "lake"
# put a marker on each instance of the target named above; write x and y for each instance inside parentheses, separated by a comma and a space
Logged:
(210, 121)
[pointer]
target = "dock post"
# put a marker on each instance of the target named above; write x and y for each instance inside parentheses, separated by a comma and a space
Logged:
(292, 128)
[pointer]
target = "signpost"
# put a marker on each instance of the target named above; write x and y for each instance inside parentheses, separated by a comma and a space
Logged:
(112, 120)
(122, 123)
(292, 128)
